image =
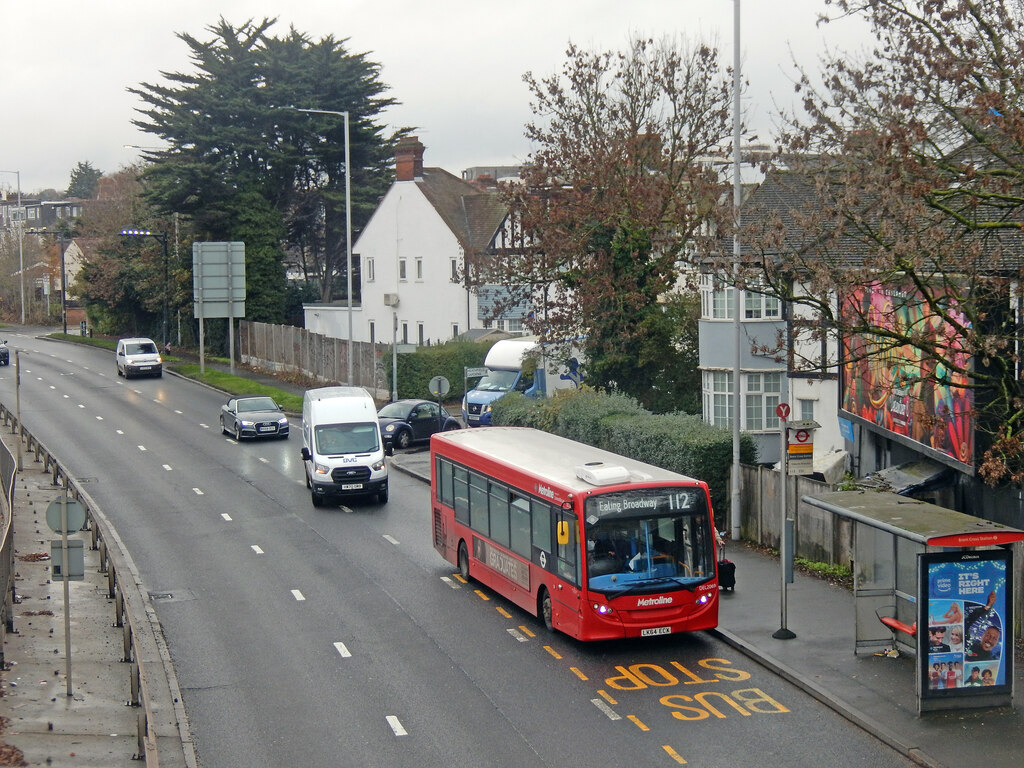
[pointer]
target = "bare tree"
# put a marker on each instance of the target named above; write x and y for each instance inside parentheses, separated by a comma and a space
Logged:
(897, 220)
(617, 186)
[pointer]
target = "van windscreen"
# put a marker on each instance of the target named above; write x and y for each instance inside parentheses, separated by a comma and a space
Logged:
(336, 439)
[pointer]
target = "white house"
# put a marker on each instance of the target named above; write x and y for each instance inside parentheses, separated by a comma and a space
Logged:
(412, 259)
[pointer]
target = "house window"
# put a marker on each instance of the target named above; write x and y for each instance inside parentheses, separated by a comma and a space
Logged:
(718, 398)
(455, 330)
(405, 333)
(370, 271)
(760, 306)
(401, 269)
(806, 409)
(455, 270)
(515, 324)
(717, 303)
(373, 332)
(419, 333)
(419, 269)
(763, 394)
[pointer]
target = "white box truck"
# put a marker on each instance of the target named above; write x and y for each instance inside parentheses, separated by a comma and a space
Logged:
(516, 365)
(342, 448)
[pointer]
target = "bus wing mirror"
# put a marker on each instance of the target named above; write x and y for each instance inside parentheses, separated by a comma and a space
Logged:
(562, 532)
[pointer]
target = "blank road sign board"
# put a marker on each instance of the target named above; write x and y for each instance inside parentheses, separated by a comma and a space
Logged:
(218, 279)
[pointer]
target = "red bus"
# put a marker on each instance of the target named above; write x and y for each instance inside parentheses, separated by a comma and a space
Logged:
(597, 545)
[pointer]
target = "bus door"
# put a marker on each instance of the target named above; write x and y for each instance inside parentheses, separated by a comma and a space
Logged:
(566, 601)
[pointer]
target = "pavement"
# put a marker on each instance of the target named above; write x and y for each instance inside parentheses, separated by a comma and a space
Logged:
(94, 725)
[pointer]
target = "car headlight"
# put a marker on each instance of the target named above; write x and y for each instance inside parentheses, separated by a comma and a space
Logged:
(283, 421)
(486, 408)
(377, 466)
(246, 423)
(321, 469)
(389, 428)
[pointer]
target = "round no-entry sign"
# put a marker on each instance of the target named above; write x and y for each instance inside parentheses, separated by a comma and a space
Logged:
(782, 410)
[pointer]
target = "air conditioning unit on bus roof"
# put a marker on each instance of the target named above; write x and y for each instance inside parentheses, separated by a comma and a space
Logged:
(599, 473)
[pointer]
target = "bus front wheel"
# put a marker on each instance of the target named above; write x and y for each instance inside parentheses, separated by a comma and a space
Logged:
(463, 561)
(544, 609)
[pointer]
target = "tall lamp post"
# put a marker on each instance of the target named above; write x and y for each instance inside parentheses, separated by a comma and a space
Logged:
(21, 250)
(737, 202)
(162, 237)
(348, 223)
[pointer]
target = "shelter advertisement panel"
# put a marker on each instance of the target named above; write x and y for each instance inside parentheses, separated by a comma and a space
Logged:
(965, 606)
(891, 387)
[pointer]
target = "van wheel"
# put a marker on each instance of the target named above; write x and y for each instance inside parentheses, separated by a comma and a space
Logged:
(463, 561)
(382, 496)
(318, 501)
(544, 609)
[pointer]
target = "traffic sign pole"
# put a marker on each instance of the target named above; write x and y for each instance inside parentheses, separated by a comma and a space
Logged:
(783, 633)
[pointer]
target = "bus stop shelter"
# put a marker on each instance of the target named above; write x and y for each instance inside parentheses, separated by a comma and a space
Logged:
(935, 584)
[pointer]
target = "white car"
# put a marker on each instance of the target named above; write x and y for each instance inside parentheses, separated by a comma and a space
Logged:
(138, 357)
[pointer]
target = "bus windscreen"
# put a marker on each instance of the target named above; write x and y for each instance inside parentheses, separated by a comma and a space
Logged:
(648, 539)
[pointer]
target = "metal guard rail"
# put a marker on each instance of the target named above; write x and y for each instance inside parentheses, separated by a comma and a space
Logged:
(162, 732)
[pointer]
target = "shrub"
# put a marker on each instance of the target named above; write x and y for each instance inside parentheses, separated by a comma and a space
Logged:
(450, 360)
(678, 442)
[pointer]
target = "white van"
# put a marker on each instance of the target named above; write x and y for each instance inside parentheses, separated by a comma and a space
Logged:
(138, 357)
(342, 448)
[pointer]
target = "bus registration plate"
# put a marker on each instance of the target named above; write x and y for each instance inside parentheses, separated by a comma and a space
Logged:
(655, 631)
(351, 486)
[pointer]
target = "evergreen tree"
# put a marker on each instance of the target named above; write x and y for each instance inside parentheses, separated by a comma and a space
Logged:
(235, 138)
(84, 181)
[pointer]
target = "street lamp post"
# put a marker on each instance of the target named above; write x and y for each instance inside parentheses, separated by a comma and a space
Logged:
(348, 223)
(21, 250)
(162, 237)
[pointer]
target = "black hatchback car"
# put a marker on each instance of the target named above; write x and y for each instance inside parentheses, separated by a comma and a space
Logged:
(405, 422)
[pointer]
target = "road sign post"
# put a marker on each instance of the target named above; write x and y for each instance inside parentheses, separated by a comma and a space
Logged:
(783, 632)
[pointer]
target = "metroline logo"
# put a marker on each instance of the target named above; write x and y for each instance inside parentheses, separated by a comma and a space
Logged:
(643, 602)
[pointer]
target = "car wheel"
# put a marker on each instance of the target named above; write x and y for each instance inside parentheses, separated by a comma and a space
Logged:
(223, 427)
(544, 609)
(238, 432)
(451, 426)
(403, 439)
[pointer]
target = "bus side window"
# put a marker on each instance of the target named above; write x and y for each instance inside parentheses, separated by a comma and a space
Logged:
(542, 525)
(568, 554)
(443, 473)
(460, 489)
(499, 514)
(478, 518)
(520, 524)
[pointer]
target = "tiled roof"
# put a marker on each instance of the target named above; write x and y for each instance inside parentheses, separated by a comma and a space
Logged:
(791, 200)
(472, 214)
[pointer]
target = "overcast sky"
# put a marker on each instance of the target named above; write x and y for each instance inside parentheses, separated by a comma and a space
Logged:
(456, 66)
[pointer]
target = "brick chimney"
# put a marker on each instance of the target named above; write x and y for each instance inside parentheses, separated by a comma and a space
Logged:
(408, 159)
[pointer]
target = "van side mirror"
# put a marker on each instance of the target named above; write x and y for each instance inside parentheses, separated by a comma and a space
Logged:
(304, 453)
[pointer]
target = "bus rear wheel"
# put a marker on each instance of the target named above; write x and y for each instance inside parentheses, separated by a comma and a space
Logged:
(544, 609)
(463, 561)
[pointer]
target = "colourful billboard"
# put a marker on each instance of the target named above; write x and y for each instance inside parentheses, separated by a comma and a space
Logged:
(893, 386)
